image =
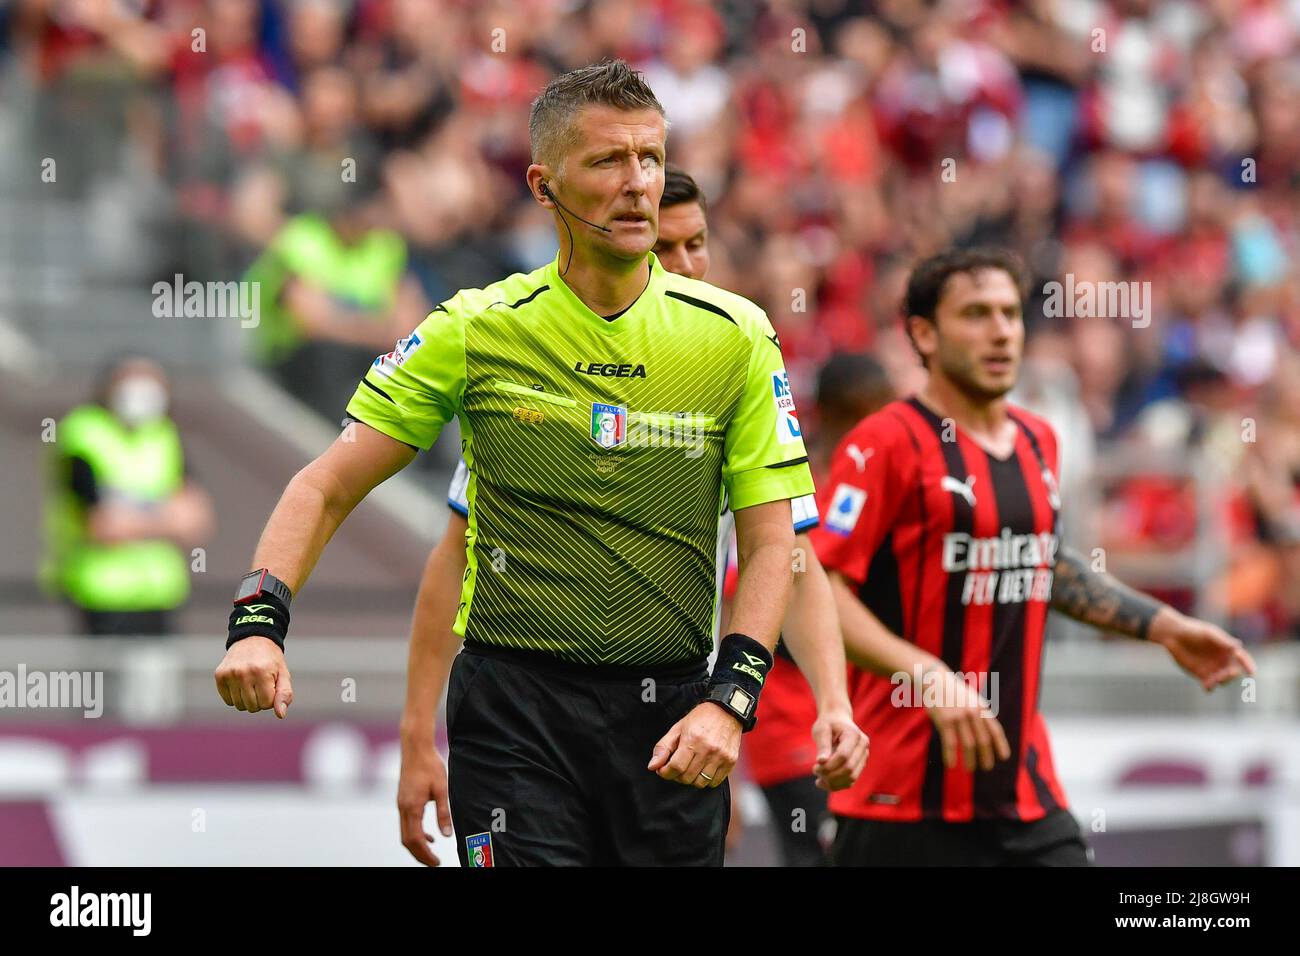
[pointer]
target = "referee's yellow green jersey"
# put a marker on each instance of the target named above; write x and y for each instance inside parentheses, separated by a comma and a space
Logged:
(598, 448)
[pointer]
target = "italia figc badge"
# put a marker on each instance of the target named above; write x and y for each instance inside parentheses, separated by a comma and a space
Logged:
(479, 850)
(608, 424)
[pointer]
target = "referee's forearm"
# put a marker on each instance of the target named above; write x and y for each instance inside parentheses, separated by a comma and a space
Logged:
(304, 520)
(812, 632)
(762, 592)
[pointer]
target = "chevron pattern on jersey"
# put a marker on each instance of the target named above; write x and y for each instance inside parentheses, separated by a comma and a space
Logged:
(597, 555)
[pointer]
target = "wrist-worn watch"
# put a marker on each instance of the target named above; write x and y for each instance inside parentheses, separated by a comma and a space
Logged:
(260, 583)
(737, 701)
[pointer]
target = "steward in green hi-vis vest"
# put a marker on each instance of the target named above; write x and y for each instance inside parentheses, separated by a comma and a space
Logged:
(145, 465)
(365, 274)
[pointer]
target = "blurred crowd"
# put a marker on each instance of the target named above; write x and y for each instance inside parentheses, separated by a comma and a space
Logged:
(836, 141)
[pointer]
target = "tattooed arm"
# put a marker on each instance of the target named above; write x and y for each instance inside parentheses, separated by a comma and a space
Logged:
(1205, 651)
(1096, 598)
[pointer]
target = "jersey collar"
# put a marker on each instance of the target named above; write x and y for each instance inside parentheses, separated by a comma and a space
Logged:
(642, 307)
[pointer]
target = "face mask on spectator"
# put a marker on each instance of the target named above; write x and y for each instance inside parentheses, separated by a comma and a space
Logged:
(138, 400)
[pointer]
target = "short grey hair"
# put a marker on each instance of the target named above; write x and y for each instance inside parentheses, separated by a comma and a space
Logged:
(612, 83)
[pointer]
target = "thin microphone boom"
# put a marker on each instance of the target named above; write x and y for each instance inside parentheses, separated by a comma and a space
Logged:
(546, 191)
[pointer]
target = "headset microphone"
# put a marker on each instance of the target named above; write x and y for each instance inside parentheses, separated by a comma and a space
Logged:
(546, 191)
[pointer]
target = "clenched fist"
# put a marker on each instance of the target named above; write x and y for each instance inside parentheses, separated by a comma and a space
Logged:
(253, 676)
(700, 749)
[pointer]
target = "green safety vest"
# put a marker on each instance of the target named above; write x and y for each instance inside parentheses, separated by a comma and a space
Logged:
(144, 464)
(365, 274)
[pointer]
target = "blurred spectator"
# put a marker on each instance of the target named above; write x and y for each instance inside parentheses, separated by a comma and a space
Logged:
(1261, 592)
(229, 105)
(333, 291)
(1148, 141)
(123, 507)
(317, 31)
(406, 63)
(693, 88)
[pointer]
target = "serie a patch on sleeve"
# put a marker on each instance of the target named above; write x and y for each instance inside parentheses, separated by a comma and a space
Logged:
(389, 362)
(787, 420)
(845, 509)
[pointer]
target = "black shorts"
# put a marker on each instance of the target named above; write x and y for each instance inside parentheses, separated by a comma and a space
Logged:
(547, 765)
(1055, 840)
(799, 846)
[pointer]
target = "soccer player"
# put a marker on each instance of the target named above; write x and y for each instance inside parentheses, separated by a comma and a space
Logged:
(604, 403)
(838, 747)
(849, 387)
(940, 533)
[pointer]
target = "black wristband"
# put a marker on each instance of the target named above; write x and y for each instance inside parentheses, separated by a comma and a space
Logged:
(741, 660)
(266, 617)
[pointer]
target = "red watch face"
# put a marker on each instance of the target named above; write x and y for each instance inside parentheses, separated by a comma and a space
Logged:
(251, 586)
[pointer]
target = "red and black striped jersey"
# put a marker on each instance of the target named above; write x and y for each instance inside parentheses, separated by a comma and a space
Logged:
(953, 550)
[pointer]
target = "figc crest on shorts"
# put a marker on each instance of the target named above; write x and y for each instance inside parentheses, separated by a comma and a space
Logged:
(479, 849)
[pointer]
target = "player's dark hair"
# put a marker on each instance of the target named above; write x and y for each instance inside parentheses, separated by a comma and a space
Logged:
(680, 187)
(930, 276)
(612, 83)
(847, 375)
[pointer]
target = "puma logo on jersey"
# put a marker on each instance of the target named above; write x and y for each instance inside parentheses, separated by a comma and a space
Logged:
(965, 490)
(859, 456)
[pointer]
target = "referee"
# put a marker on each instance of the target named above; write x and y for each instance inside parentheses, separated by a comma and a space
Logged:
(604, 403)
